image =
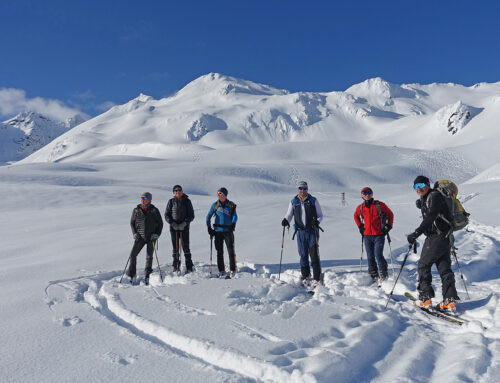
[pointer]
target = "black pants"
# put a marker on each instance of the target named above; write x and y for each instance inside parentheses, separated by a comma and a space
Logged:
(136, 249)
(220, 238)
(180, 241)
(437, 249)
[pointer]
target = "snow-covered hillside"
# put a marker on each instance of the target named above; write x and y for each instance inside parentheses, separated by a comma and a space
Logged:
(216, 111)
(29, 131)
(66, 214)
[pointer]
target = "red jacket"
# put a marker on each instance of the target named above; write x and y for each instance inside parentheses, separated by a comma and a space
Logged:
(371, 218)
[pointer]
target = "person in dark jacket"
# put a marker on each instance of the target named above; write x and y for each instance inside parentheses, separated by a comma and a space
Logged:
(224, 211)
(437, 245)
(374, 220)
(307, 215)
(179, 214)
(146, 224)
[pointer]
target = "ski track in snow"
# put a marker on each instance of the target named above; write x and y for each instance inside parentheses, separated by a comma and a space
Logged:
(353, 339)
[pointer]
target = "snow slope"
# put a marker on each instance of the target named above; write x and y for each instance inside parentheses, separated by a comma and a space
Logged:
(66, 318)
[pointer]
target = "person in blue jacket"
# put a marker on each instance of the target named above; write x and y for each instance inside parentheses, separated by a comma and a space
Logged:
(224, 211)
(307, 215)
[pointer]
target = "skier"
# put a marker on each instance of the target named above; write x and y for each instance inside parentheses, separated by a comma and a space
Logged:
(223, 231)
(179, 214)
(436, 248)
(146, 224)
(374, 220)
(307, 215)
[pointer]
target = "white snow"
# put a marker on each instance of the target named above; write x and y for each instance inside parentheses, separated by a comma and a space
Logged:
(66, 238)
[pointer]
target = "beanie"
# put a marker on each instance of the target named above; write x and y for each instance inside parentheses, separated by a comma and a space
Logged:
(366, 189)
(302, 184)
(421, 179)
(177, 187)
(147, 195)
(223, 190)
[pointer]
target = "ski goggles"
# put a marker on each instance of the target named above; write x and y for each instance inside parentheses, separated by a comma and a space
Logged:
(144, 198)
(420, 185)
(302, 188)
(367, 192)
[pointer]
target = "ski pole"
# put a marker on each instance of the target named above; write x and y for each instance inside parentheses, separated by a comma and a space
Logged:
(460, 270)
(400, 270)
(211, 250)
(390, 252)
(157, 261)
(180, 249)
(281, 256)
(361, 259)
(128, 260)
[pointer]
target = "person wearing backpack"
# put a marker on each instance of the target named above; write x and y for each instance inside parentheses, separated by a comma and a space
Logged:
(146, 224)
(224, 211)
(437, 246)
(307, 215)
(374, 220)
(179, 214)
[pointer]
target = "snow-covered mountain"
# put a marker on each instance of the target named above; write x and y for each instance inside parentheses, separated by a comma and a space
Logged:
(216, 111)
(29, 131)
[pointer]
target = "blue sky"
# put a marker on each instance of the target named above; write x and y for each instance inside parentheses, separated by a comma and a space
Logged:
(87, 55)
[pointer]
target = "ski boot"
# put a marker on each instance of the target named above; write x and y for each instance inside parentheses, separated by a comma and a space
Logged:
(423, 302)
(448, 305)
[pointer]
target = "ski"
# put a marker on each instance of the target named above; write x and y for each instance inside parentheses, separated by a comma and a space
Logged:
(438, 314)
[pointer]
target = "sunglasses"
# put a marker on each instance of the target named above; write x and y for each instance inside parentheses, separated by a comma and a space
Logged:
(420, 185)
(367, 193)
(302, 188)
(177, 190)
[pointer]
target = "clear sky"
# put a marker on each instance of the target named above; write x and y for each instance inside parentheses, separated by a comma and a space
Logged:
(89, 54)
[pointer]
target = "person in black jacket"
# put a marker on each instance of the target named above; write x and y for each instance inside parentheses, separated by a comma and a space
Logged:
(437, 245)
(179, 214)
(146, 224)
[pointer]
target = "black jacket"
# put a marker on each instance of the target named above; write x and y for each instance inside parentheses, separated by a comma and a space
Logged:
(432, 205)
(179, 211)
(146, 223)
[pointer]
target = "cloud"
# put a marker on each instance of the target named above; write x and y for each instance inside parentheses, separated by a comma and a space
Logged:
(14, 101)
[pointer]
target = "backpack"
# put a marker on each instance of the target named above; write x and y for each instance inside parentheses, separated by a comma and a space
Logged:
(231, 205)
(459, 218)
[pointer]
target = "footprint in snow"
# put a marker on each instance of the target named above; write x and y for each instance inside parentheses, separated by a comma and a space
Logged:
(68, 322)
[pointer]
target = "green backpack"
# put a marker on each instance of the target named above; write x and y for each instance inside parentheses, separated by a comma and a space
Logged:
(459, 218)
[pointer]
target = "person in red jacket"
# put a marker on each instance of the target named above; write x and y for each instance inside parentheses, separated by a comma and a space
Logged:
(374, 220)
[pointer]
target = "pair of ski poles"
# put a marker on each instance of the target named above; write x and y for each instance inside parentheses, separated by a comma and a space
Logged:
(157, 261)
(362, 251)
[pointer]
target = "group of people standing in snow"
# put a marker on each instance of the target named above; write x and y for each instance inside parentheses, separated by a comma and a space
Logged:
(373, 218)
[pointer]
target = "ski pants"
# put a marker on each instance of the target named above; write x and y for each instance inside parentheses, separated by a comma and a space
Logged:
(180, 241)
(374, 245)
(136, 249)
(436, 250)
(228, 238)
(308, 247)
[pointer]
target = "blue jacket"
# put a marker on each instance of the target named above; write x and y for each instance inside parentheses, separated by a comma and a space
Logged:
(225, 215)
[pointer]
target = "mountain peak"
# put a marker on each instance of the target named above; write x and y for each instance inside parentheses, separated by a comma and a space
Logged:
(225, 85)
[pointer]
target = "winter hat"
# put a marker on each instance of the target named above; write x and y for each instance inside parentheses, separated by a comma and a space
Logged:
(223, 190)
(147, 195)
(421, 179)
(302, 184)
(366, 189)
(177, 187)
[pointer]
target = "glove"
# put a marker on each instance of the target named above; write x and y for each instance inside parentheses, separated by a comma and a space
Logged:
(412, 238)
(285, 223)
(211, 232)
(418, 203)
(154, 237)
(232, 227)
(315, 223)
(387, 228)
(137, 236)
(361, 229)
